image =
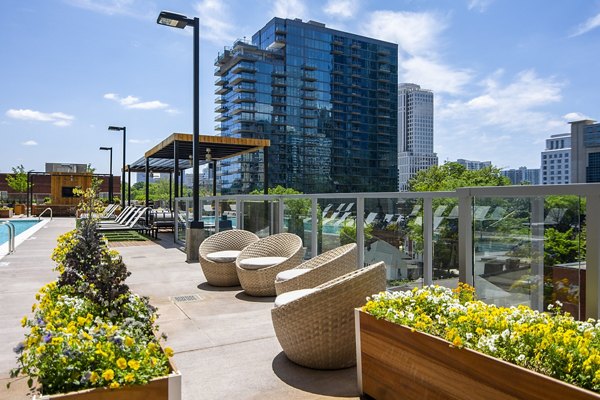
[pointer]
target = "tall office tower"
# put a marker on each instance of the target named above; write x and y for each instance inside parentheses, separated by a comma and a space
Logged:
(555, 166)
(415, 132)
(522, 175)
(585, 151)
(472, 165)
(326, 100)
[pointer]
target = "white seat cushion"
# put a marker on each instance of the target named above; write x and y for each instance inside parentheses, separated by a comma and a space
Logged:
(290, 273)
(261, 262)
(225, 256)
(288, 297)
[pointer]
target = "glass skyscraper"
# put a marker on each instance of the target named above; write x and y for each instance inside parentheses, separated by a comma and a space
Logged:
(327, 101)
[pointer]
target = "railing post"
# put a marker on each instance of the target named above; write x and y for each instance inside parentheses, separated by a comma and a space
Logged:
(280, 215)
(217, 215)
(314, 229)
(537, 252)
(427, 241)
(592, 257)
(239, 213)
(360, 230)
(465, 236)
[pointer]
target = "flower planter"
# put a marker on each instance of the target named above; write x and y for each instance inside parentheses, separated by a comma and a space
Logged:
(6, 213)
(163, 388)
(19, 209)
(394, 362)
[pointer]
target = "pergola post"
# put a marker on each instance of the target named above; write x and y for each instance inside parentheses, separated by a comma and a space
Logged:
(176, 169)
(147, 187)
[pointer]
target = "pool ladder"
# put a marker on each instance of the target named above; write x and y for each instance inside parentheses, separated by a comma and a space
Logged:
(11, 235)
(42, 213)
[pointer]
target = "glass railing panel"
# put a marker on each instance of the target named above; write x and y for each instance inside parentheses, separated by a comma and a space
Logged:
(259, 217)
(445, 242)
(337, 223)
(394, 235)
(297, 214)
(227, 215)
(183, 207)
(564, 250)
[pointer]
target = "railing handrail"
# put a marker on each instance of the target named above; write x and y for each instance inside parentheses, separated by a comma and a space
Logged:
(42, 213)
(11, 235)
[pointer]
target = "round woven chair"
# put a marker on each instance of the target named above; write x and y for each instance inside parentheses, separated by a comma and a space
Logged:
(223, 273)
(316, 329)
(320, 269)
(261, 282)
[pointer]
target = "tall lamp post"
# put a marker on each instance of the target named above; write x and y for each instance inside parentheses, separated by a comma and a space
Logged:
(110, 177)
(124, 129)
(175, 20)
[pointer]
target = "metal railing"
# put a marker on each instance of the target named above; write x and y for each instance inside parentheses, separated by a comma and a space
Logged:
(43, 212)
(499, 239)
(11, 235)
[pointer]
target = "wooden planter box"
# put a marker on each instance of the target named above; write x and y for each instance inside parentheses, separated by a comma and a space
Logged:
(6, 213)
(395, 363)
(19, 209)
(163, 388)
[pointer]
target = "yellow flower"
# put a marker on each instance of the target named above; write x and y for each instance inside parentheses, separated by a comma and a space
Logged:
(94, 377)
(129, 341)
(114, 385)
(109, 374)
(122, 363)
(81, 321)
(134, 364)
(24, 321)
(129, 378)
(168, 352)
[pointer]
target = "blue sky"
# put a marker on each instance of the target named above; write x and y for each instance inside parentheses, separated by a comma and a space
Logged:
(506, 73)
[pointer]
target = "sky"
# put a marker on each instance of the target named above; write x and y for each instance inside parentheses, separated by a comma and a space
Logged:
(506, 74)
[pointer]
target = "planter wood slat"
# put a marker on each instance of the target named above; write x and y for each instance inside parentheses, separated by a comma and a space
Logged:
(396, 363)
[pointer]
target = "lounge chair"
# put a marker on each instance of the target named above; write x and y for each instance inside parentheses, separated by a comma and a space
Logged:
(217, 255)
(318, 270)
(315, 327)
(259, 263)
(132, 224)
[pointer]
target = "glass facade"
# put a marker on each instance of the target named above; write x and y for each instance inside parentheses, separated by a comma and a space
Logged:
(326, 100)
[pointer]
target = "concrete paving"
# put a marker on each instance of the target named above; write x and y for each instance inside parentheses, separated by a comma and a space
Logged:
(224, 342)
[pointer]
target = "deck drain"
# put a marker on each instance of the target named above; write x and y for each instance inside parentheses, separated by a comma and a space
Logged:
(186, 298)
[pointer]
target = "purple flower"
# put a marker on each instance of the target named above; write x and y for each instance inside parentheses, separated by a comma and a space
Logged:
(19, 348)
(47, 337)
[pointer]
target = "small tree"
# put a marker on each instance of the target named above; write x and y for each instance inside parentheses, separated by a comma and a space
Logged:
(18, 180)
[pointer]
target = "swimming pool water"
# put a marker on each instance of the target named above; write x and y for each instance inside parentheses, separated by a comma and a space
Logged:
(20, 227)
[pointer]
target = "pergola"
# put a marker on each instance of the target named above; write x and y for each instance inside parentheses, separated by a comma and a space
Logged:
(174, 155)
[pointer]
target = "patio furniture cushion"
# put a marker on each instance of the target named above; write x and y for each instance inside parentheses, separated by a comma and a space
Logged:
(288, 297)
(261, 262)
(224, 256)
(290, 273)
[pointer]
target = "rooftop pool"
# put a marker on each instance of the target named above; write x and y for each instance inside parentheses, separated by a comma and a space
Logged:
(21, 225)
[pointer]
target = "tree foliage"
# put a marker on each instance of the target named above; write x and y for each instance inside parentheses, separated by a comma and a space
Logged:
(451, 176)
(18, 180)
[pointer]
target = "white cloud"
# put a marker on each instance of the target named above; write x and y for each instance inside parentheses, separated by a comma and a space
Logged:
(433, 75)
(139, 141)
(134, 102)
(30, 143)
(289, 9)
(586, 26)
(214, 19)
(341, 8)
(55, 118)
(130, 8)
(172, 111)
(480, 5)
(575, 116)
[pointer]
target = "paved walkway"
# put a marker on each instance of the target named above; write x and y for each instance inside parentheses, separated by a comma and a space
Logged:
(224, 342)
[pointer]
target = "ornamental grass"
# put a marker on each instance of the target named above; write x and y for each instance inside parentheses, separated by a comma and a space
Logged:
(87, 329)
(553, 343)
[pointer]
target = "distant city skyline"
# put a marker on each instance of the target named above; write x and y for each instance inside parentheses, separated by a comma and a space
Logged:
(506, 74)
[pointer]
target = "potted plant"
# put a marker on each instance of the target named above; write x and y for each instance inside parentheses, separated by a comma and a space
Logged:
(437, 343)
(6, 212)
(89, 336)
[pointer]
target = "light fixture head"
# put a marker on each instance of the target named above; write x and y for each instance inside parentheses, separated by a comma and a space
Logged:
(173, 20)
(208, 155)
(105, 148)
(116, 128)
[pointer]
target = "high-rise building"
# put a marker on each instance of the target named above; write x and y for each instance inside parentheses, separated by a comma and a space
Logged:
(326, 100)
(585, 151)
(522, 175)
(415, 132)
(472, 165)
(555, 163)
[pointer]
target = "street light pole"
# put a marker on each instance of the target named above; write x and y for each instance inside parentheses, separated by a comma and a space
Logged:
(110, 177)
(124, 129)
